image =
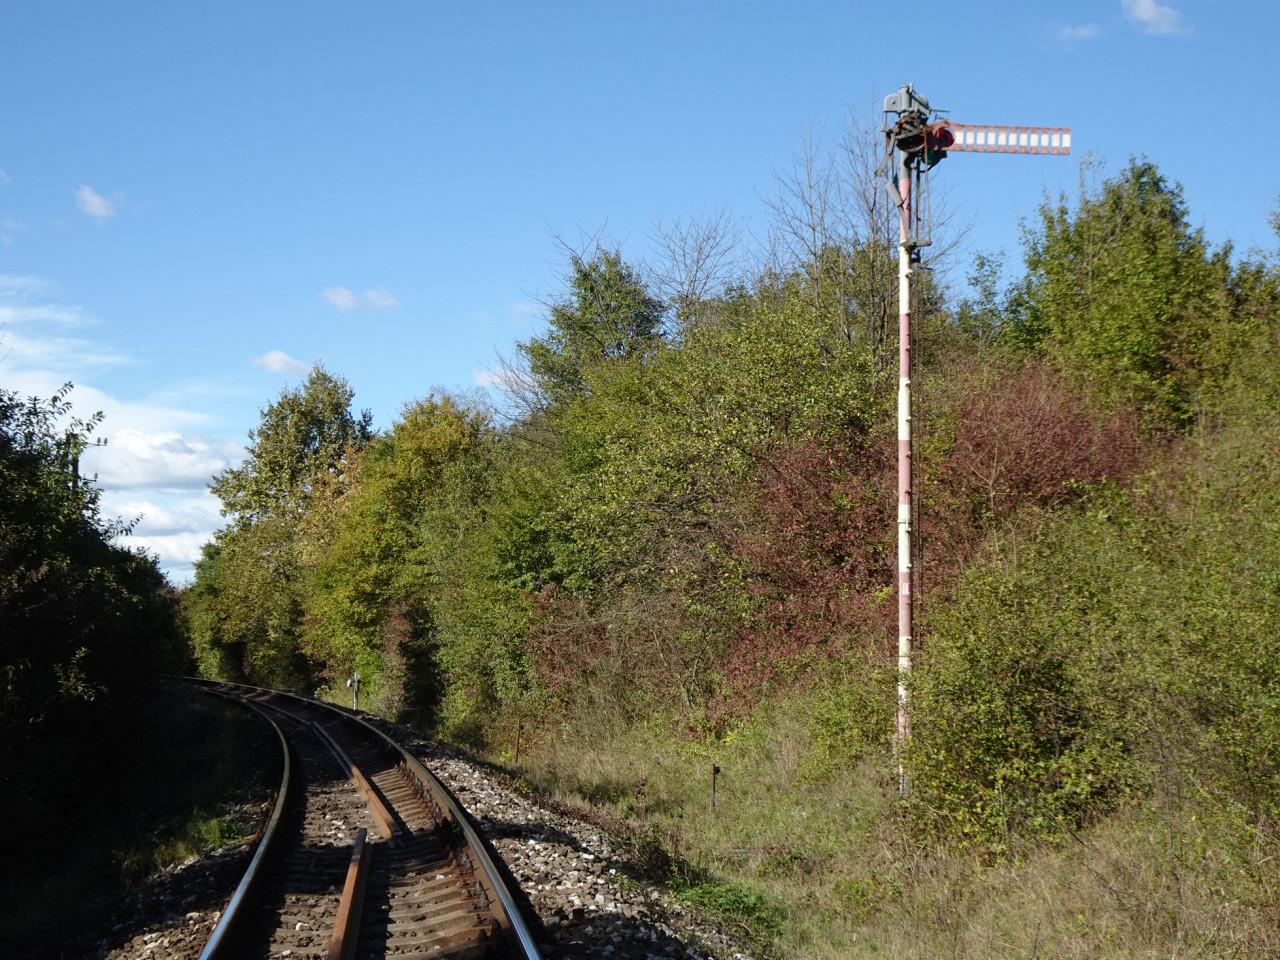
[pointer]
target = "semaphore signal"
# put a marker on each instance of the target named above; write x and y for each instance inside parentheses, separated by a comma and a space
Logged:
(919, 140)
(988, 139)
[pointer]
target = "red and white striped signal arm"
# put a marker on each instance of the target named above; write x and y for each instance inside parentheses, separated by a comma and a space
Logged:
(980, 138)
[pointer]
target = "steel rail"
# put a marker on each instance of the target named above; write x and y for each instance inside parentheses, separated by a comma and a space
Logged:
(489, 877)
(215, 948)
(346, 927)
(388, 822)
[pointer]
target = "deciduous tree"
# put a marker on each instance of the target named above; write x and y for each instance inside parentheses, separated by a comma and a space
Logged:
(607, 314)
(1123, 292)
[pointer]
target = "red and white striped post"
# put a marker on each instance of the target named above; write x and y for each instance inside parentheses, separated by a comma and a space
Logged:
(904, 463)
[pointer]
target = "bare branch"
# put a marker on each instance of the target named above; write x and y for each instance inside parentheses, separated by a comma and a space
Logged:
(696, 259)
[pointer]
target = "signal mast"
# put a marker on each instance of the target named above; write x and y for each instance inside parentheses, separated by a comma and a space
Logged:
(920, 140)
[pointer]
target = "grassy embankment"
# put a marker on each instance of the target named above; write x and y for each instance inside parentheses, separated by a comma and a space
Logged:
(1156, 609)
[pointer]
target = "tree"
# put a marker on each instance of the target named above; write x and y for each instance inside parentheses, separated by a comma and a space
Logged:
(1122, 292)
(640, 590)
(697, 259)
(303, 437)
(396, 542)
(835, 232)
(607, 314)
(249, 593)
(86, 625)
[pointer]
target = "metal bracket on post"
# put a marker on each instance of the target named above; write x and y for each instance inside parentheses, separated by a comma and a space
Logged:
(920, 144)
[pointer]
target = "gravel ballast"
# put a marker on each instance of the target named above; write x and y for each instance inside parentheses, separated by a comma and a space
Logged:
(582, 897)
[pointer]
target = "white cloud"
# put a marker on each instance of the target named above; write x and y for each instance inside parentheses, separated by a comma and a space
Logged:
(44, 313)
(19, 285)
(1069, 34)
(504, 378)
(164, 516)
(34, 340)
(94, 204)
(177, 552)
(135, 459)
(64, 358)
(1154, 17)
(344, 299)
(341, 297)
(156, 462)
(380, 299)
(277, 361)
(4, 178)
(523, 312)
(173, 529)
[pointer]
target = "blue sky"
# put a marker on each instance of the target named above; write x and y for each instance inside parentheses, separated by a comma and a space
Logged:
(199, 200)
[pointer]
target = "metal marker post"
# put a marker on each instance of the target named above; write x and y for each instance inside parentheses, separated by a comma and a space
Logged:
(354, 684)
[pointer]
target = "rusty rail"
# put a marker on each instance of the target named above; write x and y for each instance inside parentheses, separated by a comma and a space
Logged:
(342, 946)
(387, 821)
(489, 877)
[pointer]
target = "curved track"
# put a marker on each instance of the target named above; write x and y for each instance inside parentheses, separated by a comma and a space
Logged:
(376, 858)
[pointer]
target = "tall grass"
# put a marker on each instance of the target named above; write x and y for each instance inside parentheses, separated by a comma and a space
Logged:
(807, 859)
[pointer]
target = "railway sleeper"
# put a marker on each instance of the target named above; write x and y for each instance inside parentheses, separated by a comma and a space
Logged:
(450, 922)
(483, 937)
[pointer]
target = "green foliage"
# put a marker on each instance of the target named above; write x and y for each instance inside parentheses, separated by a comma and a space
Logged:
(1123, 293)
(607, 314)
(737, 902)
(303, 437)
(1005, 738)
(850, 708)
(1125, 647)
(245, 607)
(87, 626)
(81, 618)
(981, 317)
(656, 454)
(400, 548)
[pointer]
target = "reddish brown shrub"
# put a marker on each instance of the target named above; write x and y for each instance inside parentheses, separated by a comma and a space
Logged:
(1023, 436)
(819, 530)
(818, 541)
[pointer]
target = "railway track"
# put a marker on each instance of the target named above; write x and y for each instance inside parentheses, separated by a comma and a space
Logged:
(366, 855)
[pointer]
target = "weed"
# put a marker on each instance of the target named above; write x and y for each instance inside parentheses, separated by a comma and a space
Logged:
(737, 902)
